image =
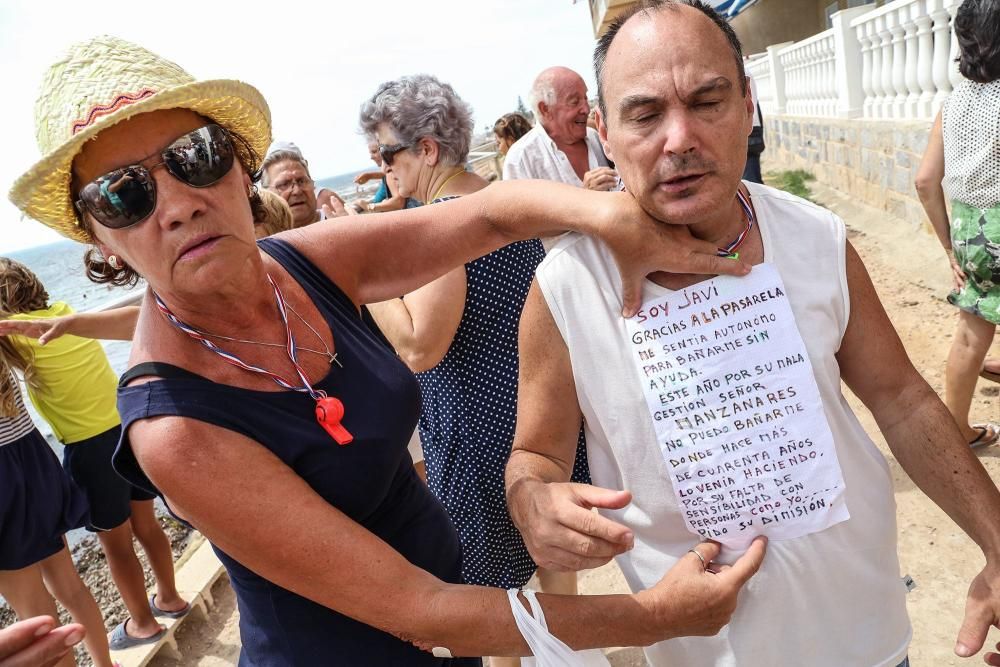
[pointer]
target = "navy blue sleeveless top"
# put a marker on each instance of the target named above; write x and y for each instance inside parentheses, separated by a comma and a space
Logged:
(372, 480)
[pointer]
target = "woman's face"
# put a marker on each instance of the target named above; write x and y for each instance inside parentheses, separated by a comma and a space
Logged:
(410, 167)
(503, 144)
(195, 236)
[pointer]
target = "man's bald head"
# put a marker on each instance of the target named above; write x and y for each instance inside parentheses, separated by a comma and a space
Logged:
(559, 98)
(647, 7)
(676, 111)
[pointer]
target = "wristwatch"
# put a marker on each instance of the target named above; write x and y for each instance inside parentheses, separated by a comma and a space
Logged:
(371, 207)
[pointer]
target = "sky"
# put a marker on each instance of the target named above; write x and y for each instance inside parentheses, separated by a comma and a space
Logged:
(314, 62)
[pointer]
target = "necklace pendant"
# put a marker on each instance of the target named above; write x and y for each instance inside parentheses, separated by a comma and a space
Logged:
(335, 360)
(329, 413)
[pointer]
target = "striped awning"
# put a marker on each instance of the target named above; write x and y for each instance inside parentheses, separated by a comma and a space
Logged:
(731, 8)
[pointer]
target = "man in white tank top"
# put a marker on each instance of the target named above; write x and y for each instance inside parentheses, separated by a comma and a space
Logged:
(717, 411)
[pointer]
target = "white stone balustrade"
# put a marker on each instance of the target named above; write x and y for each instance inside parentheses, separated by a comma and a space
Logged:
(809, 76)
(893, 62)
(759, 67)
(906, 49)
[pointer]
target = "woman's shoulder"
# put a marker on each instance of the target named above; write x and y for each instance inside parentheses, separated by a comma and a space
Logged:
(972, 98)
(154, 349)
(297, 252)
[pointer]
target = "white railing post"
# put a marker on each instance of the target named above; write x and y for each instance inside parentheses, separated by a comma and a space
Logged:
(796, 90)
(953, 73)
(832, 94)
(898, 64)
(810, 76)
(879, 91)
(777, 77)
(909, 15)
(867, 86)
(851, 67)
(888, 92)
(925, 60)
(811, 80)
(759, 67)
(942, 51)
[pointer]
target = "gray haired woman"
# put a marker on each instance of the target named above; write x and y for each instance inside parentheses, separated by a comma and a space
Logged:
(459, 335)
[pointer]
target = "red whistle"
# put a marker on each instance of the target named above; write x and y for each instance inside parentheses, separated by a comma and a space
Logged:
(329, 412)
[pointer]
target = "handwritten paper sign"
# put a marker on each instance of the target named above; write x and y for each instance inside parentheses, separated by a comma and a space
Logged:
(736, 410)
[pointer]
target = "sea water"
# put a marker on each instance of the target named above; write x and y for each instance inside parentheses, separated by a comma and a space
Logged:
(344, 185)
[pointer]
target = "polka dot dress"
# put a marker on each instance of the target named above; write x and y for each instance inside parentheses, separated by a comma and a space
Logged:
(971, 131)
(469, 412)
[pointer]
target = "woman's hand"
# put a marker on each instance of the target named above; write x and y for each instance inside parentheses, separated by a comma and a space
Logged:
(696, 597)
(44, 330)
(361, 179)
(957, 274)
(642, 245)
(37, 642)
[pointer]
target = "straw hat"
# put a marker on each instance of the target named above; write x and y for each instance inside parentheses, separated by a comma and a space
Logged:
(104, 81)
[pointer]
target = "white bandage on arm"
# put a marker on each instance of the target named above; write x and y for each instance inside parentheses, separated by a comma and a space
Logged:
(548, 649)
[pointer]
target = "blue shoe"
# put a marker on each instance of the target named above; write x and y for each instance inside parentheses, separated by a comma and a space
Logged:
(162, 613)
(119, 639)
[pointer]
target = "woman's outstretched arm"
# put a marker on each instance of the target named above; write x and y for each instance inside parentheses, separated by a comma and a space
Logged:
(379, 257)
(318, 552)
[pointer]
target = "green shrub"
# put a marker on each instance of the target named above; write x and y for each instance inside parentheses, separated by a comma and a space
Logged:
(793, 181)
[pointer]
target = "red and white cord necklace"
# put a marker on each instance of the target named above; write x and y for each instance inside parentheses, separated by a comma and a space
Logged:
(730, 250)
(329, 410)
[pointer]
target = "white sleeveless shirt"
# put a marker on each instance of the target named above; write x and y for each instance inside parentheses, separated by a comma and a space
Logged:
(829, 599)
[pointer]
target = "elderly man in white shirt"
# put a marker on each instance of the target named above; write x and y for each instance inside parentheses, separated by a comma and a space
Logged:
(561, 147)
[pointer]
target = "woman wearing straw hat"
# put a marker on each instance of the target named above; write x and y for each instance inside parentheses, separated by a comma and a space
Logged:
(335, 549)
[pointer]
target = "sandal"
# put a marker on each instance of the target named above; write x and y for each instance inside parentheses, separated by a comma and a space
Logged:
(988, 435)
(989, 375)
(119, 639)
(163, 613)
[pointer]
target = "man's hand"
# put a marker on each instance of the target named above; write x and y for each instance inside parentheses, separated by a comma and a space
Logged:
(37, 642)
(334, 208)
(44, 330)
(565, 534)
(642, 245)
(601, 178)
(692, 600)
(982, 610)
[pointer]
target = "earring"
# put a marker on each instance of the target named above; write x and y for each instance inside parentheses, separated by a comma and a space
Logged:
(114, 263)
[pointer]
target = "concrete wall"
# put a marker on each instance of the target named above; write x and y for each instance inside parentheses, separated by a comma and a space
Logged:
(874, 161)
(776, 21)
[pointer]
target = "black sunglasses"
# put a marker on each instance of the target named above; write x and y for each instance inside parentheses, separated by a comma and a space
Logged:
(127, 195)
(388, 153)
